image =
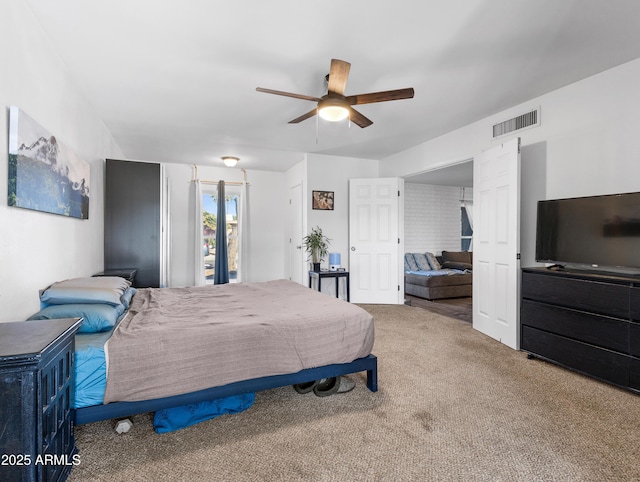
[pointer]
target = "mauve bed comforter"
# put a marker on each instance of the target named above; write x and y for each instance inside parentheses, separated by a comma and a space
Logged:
(180, 340)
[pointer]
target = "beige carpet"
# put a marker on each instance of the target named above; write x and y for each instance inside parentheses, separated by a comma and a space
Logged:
(453, 405)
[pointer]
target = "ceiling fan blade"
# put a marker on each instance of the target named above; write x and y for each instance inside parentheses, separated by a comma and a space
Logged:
(288, 94)
(311, 113)
(338, 76)
(358, 119)
(380, 96)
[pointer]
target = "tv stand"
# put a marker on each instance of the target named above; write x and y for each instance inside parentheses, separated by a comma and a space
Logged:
(587, 322)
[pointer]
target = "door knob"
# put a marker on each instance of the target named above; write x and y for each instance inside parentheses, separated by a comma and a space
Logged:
(353, 248)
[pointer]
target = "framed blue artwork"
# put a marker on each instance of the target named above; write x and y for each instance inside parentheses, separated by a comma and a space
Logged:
(44, 174)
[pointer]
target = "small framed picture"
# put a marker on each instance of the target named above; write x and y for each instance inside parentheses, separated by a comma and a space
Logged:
(323, 200)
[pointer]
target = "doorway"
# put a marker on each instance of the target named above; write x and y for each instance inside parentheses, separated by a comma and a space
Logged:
(439, 209)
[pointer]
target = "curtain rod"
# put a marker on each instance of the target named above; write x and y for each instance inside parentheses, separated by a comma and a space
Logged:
(230, 183)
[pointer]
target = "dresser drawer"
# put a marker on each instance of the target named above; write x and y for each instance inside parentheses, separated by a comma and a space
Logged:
(603, 331)
(635, 303)
(634, 375)
(588, 359)
(634, 339)
(586, 295)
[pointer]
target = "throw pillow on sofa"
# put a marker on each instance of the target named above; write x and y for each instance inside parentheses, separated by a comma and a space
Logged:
(422, 262)
(457, 259)
(410, 263)
(433, 261)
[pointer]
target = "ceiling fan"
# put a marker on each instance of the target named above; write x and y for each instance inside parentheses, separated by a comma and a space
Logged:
(335, 106)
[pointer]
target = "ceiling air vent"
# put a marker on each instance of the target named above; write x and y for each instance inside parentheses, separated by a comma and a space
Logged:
(523, 121)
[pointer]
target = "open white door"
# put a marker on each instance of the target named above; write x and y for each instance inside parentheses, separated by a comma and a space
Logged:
(496, 241)
(375, 221)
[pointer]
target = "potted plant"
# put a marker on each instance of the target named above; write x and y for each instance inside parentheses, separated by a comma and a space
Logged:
(317, 246)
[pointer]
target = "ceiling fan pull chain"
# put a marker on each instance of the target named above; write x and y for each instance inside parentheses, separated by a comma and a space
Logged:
(317, 125)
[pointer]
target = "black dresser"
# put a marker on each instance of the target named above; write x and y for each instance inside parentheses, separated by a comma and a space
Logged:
(588, 322)
(37, 442)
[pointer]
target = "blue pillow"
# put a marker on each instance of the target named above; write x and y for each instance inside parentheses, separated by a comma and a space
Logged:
(127, 295)
(99, 289)
(96, 317)
(409, 260)
(433, 261)
(422, 262)
(175, 418)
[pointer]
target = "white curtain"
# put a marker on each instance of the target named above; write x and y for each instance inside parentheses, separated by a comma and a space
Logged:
(198, 260)
(243, 234)
(468, 205)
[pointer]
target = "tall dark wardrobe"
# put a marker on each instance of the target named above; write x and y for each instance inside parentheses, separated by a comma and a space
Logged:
(136, 220)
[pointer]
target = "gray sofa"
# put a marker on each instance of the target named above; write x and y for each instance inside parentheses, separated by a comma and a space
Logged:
(439, 282)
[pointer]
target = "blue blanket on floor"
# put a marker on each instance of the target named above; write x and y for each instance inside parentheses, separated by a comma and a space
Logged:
(171, 419)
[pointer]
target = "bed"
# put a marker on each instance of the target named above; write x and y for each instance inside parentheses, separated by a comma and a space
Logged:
(171, 347)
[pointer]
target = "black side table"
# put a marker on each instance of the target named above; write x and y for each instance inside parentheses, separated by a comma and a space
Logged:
(126, 273)
(330, 274)
(37, 438)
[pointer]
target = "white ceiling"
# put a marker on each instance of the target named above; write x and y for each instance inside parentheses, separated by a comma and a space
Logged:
(174, 81)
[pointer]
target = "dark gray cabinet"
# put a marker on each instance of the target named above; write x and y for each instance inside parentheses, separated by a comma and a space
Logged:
(588, 322)
(134, 223)
(37, 442)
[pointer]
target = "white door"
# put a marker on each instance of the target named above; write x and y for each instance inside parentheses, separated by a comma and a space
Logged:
(375, 247)
(496, 241)
(296, 253)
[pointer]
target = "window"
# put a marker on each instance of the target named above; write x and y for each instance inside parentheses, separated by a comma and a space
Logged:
(209, 219)
(467, 230)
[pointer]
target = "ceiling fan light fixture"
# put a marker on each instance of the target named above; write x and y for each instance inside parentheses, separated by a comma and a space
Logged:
(230, 161)
(333, 110)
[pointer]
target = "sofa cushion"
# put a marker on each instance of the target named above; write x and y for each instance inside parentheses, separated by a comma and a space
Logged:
(422, 262)
(458, 256)
(432, 281)
(433, 261)
(454, 265)
(457, 259)
(410, 263)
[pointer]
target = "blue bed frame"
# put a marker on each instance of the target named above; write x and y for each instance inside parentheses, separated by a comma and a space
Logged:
(123, 409)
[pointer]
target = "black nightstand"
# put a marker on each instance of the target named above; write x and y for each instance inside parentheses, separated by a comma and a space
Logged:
(330, 274)
(36, 365)
(126, 273)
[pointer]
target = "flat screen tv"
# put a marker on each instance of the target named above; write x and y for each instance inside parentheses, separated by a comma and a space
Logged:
(599, 232)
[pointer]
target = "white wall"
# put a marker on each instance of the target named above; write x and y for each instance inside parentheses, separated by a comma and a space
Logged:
(332, 173)
(267, 220)
(587, 144)
(318, 172)
(37, 248)
(431, 218)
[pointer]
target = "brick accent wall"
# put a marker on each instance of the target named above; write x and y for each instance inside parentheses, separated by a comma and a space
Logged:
(432, 218)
